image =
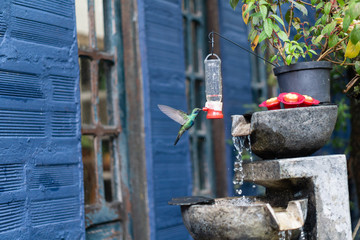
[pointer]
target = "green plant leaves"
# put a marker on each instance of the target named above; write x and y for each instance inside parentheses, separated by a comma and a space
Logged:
(268, 27)
(311, 52)
(262, 36)
(357, 67)
(273, 58)
(297, 37)
(334, 27)
(252, 34)
(234, 3)
(263, 10)
(346, 22)
(250, 7)
(333, 40)
(288, 59)
(282, 35)
(318, 39)
(300, 7)
(341, 2)
(288, 15)
(328, 28)
(278, 19)
(320, 5)
(355, 35)
(354, 10)
(327, 8)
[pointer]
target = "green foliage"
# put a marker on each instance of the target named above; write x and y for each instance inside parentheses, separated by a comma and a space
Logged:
(343, 115)
(328, 39)
(234, 3)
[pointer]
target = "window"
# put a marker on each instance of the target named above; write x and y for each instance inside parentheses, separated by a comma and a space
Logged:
(99, 111)
(195, 39)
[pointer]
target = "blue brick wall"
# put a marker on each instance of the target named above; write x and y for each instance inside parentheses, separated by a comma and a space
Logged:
(41, 190)
(168, 166)
(236, 73)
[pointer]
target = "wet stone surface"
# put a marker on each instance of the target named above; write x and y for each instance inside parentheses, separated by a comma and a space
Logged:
(241, 218)
(293, 132)
(326, 188)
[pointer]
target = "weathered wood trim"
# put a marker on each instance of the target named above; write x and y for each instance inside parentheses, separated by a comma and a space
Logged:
(137, 205)
(218, 126)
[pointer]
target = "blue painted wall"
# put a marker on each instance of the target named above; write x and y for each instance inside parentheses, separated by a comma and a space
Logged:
(41, 191)
(168, 166)
(236, 73)
(162, 58)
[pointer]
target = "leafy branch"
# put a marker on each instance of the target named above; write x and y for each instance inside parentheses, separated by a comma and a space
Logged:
(334, 37)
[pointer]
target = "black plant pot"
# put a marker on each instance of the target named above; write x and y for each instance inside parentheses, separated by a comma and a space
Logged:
(308, 78)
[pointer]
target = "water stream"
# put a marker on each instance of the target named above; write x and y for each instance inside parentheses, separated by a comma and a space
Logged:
(282, 235)
(251, 160)
(241, 143)
(238, 181)
(302, 234)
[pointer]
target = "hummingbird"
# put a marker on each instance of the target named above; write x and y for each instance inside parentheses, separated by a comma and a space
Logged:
(186, 121)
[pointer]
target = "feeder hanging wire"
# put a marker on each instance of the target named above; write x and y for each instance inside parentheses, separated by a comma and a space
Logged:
(211, 40)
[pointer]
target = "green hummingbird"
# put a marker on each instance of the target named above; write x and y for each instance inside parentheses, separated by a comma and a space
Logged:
(186, 121)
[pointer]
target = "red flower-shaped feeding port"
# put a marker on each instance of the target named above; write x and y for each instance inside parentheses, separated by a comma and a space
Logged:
(271, 104)
(291, 100)
(309, 101)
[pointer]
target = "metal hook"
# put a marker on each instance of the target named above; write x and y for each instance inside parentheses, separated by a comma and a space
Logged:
(211, 39)
(212, 46)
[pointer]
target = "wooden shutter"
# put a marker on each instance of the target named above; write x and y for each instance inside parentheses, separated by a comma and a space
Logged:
(41, 190)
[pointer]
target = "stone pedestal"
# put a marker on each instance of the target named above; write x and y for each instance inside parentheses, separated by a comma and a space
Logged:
(322, 179)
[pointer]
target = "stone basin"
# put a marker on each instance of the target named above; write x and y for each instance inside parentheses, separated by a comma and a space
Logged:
(286, 133)
(236, 219)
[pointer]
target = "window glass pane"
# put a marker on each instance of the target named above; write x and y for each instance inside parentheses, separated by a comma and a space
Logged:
(184, 5)
(193, 6)
(186, 47)
(200, 102)
(108, 176)
(99, 24)
(85, 88)
(194, 39)
(82, 23)
(89, 161)
(203, 165)
(188, 92)
(106, 114)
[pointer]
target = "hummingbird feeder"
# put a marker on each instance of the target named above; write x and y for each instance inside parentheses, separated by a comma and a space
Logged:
(213, 87)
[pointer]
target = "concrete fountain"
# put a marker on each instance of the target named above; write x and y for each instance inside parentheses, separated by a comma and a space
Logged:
(306, 196)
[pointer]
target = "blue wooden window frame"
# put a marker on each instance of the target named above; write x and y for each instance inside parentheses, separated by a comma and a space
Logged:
(194, 24)
(104, 209)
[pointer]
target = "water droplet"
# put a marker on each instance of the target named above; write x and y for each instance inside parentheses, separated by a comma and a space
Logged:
(282, 235)
(238, 180)
(302, 234)
(253, 186)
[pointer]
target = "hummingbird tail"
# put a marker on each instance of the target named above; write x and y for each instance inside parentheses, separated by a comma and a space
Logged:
(177, 139)
(178, 136)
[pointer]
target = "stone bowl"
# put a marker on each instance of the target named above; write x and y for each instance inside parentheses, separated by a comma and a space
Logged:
(287, 133)
(234, 219)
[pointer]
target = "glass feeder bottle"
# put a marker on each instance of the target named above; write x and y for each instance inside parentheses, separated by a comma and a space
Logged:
(213, 87)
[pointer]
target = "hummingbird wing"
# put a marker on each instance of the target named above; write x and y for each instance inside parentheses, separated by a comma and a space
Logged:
(176, 115)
